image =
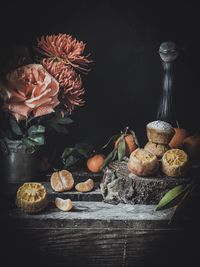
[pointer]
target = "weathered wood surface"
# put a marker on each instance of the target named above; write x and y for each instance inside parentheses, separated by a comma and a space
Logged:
(94, 233)
(94, 215)
(119, 185)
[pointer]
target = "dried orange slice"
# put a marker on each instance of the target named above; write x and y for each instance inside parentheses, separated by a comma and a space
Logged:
(31, 197)
(174, 162)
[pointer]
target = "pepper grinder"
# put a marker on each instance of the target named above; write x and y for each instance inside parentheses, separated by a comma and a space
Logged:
(168, 52)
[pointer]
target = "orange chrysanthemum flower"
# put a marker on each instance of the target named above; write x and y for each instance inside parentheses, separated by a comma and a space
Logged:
(65, 47)
(69, 81)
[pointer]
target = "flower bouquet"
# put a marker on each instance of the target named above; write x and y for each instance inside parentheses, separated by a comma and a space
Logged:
(39, 93)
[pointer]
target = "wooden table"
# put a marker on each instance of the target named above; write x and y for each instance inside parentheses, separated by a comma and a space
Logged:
(95, 233)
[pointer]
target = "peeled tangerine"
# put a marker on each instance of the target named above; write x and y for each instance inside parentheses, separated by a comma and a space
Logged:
(64, 204)
(31, 197)
(142, 163)
(174, 162)
(85, 186)
(62, 181)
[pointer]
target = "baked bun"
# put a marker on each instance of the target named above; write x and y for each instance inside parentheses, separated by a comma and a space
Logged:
(174, 162)
(160, 132)
(156, 149)
(142, 163)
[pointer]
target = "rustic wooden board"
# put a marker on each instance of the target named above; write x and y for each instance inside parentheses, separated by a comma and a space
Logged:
(93, 234)
(94, 215)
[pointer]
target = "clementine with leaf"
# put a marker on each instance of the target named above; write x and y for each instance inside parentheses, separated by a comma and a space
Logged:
(130, 144)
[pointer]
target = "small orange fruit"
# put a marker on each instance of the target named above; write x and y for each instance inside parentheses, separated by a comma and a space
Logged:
(95, 163)
(191, 145)
(174, 162)
(178, 138)
(130, 144)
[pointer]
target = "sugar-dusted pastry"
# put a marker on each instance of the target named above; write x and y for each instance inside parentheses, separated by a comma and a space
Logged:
(156, 149)
(143, 163)
(160, 132)
(31, 197)
(174, 162)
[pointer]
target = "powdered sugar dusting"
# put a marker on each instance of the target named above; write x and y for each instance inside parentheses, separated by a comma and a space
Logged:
(160, 125)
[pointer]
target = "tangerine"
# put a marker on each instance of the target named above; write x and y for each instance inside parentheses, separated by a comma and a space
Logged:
(178, 138)
(191, 145)
(174, 162)
(95, 163)
(130, 144)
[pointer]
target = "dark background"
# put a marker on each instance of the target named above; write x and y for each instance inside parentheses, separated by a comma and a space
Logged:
(123, 37)
(125, 83)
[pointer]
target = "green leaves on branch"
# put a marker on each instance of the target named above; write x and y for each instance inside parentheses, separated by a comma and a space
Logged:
(121, 149)
(120, 145)
(76, 155)
(110, 157)
(174, 196)
(35, 136)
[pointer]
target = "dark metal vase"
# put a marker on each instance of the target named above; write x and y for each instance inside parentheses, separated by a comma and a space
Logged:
(19, 164)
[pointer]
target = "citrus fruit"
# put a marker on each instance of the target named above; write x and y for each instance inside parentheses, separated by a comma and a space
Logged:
(130, 144)
(62, 181)
(95, 163)
(191, 145)
(63, 204)
(174, 162)
(178, 138)
(142, 163)
(31, 197)
(85, 186)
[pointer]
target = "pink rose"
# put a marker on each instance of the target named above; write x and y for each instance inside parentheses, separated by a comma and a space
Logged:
(31, 89)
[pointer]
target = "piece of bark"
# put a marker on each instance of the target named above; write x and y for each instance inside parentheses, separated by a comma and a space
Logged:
(120, 186)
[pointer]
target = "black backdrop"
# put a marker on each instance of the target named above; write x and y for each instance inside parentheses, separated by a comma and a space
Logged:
(123, 37)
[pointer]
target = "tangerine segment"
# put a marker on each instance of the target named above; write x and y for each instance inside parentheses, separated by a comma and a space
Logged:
(63, 204)
(31, 197)
(174, 162)
(86, 186)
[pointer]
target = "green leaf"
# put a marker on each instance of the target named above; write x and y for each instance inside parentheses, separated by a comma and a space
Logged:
(112, 139)
(34, 140)
(27, 142)
(110, 158)
(84, 149)
(38, 139)
(64, 121)
(14, 126)
(135, 138)
(67, 152)
(171, 196)
(59, 128)
(121, 149)
(36, 129)
(70, 161)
